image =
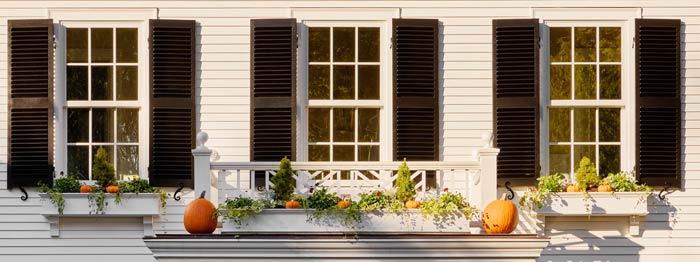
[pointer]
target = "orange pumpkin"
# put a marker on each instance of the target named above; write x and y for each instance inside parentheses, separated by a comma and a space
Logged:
(500, 216)
(573, 188)
(343, 204)
(291, 204)
(85, 189)
(605, 188)
(112, 189)
(412, 204)
(200, 216)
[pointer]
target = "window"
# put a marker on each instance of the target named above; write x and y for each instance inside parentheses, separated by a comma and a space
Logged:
(344, 93)
(102, 98)
(585, 97)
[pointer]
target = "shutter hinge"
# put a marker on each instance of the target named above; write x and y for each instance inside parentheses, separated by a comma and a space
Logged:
(539, 42)
(53, 41)
(297, 41)
(634, 41)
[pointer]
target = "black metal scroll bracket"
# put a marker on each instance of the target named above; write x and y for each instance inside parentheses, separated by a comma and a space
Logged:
(664, 192)
(25, 196)
(178, 190)
(510, 195)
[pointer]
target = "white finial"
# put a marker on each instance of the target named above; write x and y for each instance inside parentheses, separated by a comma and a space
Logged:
(487, 139)
(202, 138)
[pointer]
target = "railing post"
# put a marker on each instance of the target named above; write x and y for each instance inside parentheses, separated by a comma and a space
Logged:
(202, 166)
(487, 179)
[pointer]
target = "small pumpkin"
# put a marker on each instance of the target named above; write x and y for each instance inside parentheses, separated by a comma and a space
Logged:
(605, 188)
(199, 216)
(85, 189)
(412, 204)
(291, 204)
(500, 216)
(343, 204)
(573, 188)
(112, 189)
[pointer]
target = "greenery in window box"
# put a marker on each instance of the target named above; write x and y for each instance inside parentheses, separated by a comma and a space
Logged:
(546, 185)
(625, 182)
(378, 200)
(322, 204)
(241, 208)
(283, 182)
(140, 186)
(405, 186)
(102, 169)
(68, 184)
(97, 200)
(586, 175)
(446, 206)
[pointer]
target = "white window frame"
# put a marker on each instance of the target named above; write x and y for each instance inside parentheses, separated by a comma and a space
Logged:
(626, 103)
(61, 104)
(385, 87)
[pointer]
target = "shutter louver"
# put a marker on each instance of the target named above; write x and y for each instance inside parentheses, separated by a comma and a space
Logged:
(416, 110)
(172, 102)
(273, 49)
(658, 101)
(30, 145)
(516, 99)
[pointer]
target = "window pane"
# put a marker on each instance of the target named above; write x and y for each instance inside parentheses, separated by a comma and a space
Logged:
(78, 121)
(127, 45)
(610, 44)
(127, 161)
(319, 153)
(102, 83)
(560, 44)
(584, 125)
(78, 162)
(368, 125)
(343, 153)
(610, 82)
(127, 83)
(368, 49)
(101, 40)
(319, 44)
(110, 154)
(584, 46)
(585, 82)
(609, 159)
(77, 82)
(580, 151)
(343, 125)
(319, 82)
(343, 82)
(319, 124)
(368, 82)
(559, 159)
(127, 125)
(609, 124)
(76, 45)
(560, 82)
(102, 125)
(343, 44)
(559, 125)
(368, 153)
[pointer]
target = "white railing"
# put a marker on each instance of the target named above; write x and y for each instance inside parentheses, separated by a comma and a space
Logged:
(475, 178)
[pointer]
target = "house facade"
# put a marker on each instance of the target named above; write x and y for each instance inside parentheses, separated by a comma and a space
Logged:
(207, 95)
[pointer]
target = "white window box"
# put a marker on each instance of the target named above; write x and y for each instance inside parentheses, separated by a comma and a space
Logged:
(295, 221)
(632, 204)
(146, 205)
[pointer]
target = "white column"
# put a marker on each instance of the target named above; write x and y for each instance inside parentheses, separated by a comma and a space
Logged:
(487, 178)
(202, 154)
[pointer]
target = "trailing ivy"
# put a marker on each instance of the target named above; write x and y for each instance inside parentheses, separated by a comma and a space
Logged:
(546, 185)
(240, 209)
(68, 184)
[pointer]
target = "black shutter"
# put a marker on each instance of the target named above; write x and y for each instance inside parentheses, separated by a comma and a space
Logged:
(172, 102)
(273, 50)
(30, 145)
(516, 99)
(415, 72)
(658, 86)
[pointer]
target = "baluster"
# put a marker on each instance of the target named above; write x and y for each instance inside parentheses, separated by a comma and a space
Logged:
(253, 188)
(221, 186)
(238, 179)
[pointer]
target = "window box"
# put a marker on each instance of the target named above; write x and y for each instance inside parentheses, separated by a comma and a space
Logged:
(146, 205)
(632, 204)
(295, 221)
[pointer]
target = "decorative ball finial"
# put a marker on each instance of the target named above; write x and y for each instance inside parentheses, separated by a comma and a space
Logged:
(202, 138)
(487, 139)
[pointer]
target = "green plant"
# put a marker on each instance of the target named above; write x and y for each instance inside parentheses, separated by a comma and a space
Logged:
(586, 175)
(546, 185)
(102, 169)
(325, 205)
(283, 181)
(625, 182)
(405, 186)
(68, 184)
(447, 205)
(373, 201)
(241, 208)
(140, 186)
(97, 202)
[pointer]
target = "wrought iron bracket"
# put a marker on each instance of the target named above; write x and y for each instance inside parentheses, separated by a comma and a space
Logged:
(510, 195)
(178, 190)
(664, 192)
(25, 196)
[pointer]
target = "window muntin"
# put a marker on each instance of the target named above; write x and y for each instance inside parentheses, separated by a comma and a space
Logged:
(585, 90)
(343, 93)
(102, 98)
